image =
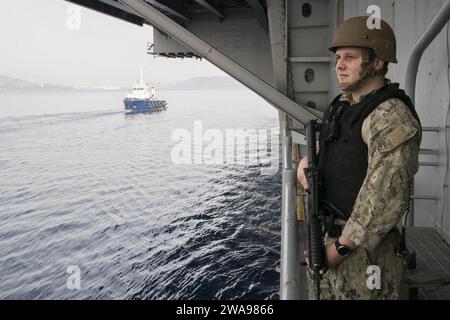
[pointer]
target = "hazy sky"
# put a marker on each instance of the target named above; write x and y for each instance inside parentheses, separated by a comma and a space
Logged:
(37, 45)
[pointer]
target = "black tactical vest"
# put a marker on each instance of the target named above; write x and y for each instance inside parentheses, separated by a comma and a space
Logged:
(343, 154)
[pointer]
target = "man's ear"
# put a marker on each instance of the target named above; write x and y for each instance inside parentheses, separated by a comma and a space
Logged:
(379, 64)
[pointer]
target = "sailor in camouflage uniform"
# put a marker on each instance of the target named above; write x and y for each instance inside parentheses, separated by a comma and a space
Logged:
(368, 155)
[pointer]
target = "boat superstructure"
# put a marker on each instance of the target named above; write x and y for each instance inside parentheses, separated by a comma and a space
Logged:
(142, 99)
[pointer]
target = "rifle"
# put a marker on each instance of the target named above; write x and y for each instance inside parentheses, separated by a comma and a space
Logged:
(316, 249)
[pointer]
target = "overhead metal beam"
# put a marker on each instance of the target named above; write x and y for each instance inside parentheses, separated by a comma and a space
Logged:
(106, 7)
(260, 13)
(168, 10)
(117, 5)
(206, 5)
(298, 112)
(278, 44)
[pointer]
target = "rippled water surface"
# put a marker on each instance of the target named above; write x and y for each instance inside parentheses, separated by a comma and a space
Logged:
(83, 184)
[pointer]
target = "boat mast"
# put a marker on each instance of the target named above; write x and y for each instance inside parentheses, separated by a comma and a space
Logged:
(141, 83)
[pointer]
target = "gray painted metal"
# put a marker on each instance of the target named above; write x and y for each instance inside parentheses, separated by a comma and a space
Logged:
(312, 71)
(166, 46)
(289, 275)
(206, 5)
(419, 197)
(117, 5)
(298, 112)
(239, 36)
(287, 151)
(309, 59)
(289, 282)
(428, 164)
(259, 11)
(431, 278)
(168, 10)
(429, 151)
(433, 29)
(278, 48)
(290, 288)
(109, 8)
(278, 44)
(431, 129)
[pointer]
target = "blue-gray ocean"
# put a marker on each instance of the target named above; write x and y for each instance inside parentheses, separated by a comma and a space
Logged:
(85, 187)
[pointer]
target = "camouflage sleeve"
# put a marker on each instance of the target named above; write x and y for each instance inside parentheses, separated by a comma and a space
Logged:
(393, 139)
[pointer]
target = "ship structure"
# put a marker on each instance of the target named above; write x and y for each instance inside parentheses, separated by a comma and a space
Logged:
(279, 50)
(142, 99)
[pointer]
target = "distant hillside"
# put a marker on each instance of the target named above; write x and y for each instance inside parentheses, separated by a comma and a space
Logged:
(13, 83)
(199, 83)
(204, 83)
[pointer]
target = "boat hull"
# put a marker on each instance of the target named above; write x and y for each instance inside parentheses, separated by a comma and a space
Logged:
(143, 105)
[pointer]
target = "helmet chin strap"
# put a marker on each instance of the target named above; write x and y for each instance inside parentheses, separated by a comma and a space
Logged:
(354, 86)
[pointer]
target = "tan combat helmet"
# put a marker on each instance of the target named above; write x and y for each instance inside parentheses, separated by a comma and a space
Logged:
(354, 32)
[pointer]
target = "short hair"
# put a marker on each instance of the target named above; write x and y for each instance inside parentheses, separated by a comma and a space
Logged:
(369, 55)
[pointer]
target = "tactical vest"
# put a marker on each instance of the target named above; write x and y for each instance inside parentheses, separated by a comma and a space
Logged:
(343, 154)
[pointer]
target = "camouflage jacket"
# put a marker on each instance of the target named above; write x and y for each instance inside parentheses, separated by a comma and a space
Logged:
(393, 138)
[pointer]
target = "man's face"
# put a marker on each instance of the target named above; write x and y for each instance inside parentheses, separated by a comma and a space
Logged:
(348, 65)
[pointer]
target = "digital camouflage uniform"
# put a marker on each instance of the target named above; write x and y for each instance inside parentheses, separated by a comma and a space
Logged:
(393, 137)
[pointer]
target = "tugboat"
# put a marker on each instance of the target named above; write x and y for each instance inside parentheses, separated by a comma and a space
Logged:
(143, 100)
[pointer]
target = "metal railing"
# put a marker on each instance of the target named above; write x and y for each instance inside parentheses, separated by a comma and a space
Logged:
(433, 29)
